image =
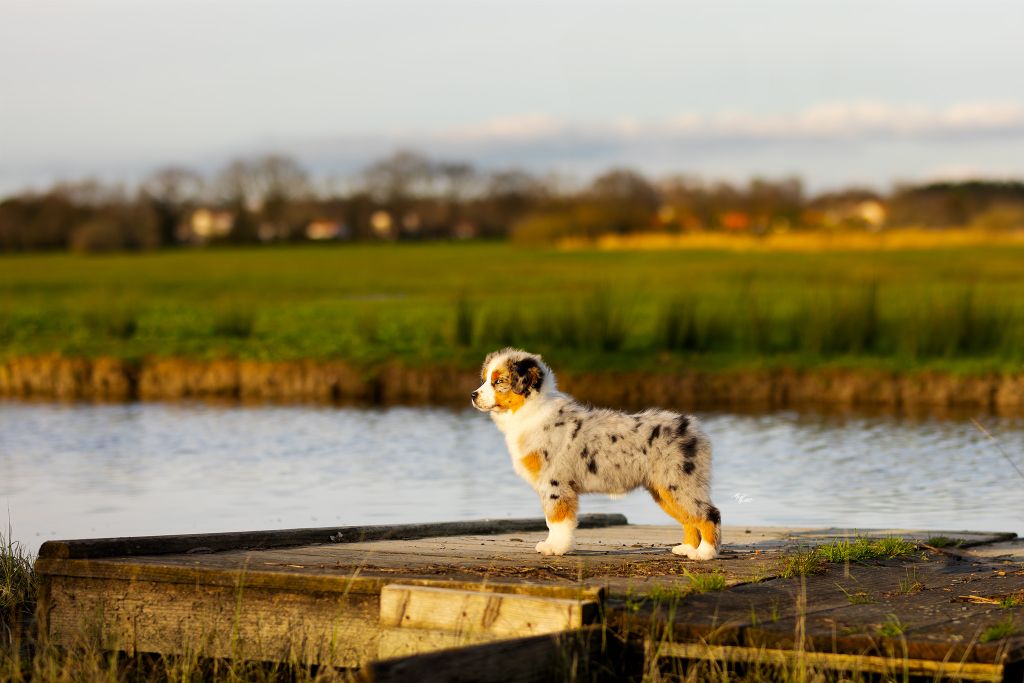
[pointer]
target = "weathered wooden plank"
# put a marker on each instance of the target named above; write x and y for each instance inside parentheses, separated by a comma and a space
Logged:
(212, 621)
(403, 642)
(961, 638)
(158, 545)
(295, 579)
(458, 611)
(210, 576)
(719, 616)
(965, 539)
(917, 612)
(587, 654)
(302, 556)
(771, 613)
(801, 660)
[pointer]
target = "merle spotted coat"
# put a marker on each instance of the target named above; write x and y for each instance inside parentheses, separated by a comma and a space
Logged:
(564, 448)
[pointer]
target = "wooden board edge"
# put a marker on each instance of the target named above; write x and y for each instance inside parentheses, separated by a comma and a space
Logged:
(294, 581)
(536, 658)
(833, 661)
(997, 537)
(208, 576)
(95, 548)
(564, 591)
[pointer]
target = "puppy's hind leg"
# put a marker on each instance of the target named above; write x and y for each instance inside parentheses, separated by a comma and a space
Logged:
(560, 507)
(710, 526)
(691, 538)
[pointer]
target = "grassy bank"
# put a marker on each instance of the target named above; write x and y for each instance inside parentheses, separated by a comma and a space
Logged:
(956, 310)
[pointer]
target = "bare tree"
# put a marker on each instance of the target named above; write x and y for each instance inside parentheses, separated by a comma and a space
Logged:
(399, 178)
(174, 185)
(625, 187)
(459, 179)
(254, 182)
(172, 191)
(283, 177)
(513, 183)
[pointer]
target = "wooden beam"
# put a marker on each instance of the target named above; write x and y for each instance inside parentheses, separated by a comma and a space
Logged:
(587, 654)
(244, 623)
(968, 671)
(261, 577)
(475, 612)
(94, 548)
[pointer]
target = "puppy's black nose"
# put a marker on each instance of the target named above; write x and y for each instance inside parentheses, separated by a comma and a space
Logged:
(474, 394)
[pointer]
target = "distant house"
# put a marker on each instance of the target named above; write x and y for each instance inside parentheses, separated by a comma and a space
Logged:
(205, 224)
(465, 230)
(382, 224)
(735, 221)
(323, 229)
(849, 209)
(872, 212)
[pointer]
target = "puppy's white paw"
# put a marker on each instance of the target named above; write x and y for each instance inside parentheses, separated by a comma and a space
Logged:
(549, 548)
(705, 551)
(686, 550)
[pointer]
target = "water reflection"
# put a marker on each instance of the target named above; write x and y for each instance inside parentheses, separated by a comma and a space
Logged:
(110, 470)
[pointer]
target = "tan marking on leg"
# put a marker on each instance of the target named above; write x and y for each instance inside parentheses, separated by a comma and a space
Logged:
(531, 463)
(565, 508)
(664, 498)
(708, 532)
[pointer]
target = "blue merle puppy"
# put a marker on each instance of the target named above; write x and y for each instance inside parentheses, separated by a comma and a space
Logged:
(563, 448)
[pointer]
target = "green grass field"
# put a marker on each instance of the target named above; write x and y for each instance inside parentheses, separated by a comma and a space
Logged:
(956, 310)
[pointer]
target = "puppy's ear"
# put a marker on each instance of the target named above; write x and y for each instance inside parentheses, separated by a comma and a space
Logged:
(526, 376)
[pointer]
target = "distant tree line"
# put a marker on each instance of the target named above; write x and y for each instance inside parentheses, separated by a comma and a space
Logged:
(408, 196)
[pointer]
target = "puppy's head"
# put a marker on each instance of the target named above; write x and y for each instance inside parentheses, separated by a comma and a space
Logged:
(511, 378)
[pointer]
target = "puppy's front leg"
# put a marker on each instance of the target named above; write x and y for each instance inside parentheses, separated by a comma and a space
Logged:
(560, 506)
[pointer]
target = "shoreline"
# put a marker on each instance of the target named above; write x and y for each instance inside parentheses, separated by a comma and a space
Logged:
(56, 377)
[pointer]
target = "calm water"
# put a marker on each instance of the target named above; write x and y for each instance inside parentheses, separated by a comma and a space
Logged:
(71, 471)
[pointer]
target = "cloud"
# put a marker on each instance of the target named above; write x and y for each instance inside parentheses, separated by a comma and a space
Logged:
(825, 121)
(829, 144)
(506, 128)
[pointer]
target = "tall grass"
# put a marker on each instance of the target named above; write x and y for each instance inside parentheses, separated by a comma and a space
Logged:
(17, 589)
(960, 324)
(599, 323)
(464, 319)
(233, 321)
(840, 321)
(117, 321)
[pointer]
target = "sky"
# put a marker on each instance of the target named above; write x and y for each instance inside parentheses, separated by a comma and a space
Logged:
(863, 92)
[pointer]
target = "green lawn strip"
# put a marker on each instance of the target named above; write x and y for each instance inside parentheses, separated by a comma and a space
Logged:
(947, 311)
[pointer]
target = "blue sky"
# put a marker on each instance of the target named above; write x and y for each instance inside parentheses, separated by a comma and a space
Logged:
(838, 92)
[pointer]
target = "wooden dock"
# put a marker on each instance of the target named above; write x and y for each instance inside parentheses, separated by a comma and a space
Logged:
(426, 602)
